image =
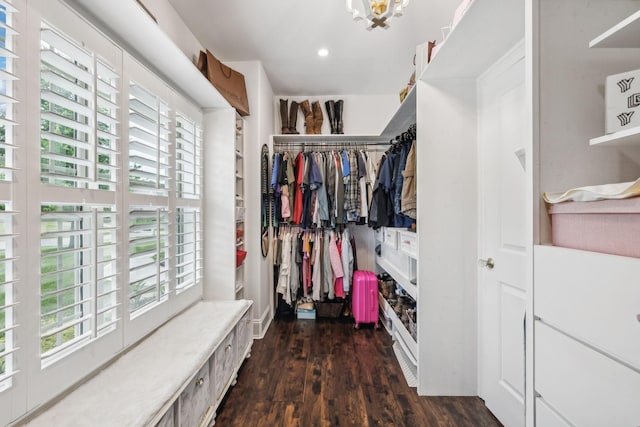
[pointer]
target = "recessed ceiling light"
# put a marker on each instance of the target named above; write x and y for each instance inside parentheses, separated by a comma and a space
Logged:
(323, 52)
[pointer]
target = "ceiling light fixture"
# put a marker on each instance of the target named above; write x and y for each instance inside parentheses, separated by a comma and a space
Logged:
(376, 13)
(323, 52)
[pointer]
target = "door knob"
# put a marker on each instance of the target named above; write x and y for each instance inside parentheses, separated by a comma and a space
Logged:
(488, 263)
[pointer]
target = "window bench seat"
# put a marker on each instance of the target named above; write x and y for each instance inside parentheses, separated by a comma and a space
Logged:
(176, 376)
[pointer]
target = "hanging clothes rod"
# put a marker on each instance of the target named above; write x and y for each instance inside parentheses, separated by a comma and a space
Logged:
(330, 146)
(331, 143)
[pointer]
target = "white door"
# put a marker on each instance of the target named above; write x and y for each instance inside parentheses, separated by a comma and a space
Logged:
(502, 238)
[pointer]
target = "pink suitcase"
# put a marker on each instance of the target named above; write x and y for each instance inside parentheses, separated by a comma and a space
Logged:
(364, 298)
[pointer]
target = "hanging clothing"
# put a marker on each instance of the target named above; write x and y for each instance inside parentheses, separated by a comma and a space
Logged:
(284, 280)
(346, 258)
(362, 181)
(297, 202)
(408, 197)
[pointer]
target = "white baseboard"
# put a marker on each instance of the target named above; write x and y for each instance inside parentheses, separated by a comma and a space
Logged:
(261, 325)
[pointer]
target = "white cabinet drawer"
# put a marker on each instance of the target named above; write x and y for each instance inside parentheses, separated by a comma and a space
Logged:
(547, 417)
(244, 336)
(584, 386)
(196, 398)
(223, 361)
(409, 243)
(167, 419)
(594, 297)
(390, 237)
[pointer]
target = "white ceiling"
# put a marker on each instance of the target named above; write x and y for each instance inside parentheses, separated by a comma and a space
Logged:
(285, 36)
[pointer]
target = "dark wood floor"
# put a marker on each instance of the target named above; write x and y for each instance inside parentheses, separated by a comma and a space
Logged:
(325, 373)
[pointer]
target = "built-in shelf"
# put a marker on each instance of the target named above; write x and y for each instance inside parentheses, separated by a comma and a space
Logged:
(625, 34)
(314, 139)
(484, 34)
(629, 137)
(404, 116)
(399, 276)
(126, 22)
(398, 325)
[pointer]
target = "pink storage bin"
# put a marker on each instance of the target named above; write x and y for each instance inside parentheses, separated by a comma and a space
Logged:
(609, 226)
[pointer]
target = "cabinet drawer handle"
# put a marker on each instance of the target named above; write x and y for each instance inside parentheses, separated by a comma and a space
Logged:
(199, 382)
(228, 347)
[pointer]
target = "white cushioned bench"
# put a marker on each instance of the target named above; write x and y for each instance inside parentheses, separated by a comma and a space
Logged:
(175, 376)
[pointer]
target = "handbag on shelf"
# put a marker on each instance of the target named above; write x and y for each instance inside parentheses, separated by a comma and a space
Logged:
(229, 82)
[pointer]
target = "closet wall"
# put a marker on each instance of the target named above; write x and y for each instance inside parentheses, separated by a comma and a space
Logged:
(363, 115)
(258, 127)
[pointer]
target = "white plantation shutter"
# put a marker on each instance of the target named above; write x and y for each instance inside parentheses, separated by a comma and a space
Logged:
(188, 172)
(79, 152)
(7, 298)
(187, 249)
(78, 115)
(148, 142)
(148, 257)
(188, 146)
(9, 285)
(107, 126)
(78, 300)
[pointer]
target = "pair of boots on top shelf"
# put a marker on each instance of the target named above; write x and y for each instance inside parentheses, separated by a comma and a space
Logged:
(313, 117)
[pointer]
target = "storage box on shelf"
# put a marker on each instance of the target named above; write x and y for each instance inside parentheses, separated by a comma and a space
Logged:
(609, 226)
(622, 101)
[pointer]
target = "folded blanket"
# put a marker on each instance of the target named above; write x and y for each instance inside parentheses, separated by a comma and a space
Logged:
(621, 190)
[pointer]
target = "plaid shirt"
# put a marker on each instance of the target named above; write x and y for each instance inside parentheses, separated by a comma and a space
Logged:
(352, 189)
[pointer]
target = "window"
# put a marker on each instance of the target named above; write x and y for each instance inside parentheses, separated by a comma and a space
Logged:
(8, 283)
(188, 252)
(78, 276)
(78, 137)
(148, 142)
(188, 155)
(7, 300)
(78, 141)
(148, 257)
(111, 175)
(188, 188)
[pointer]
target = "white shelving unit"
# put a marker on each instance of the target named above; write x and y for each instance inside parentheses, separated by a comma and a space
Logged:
(404, 116)
(624, 138)
(239, 204)
(584, 327)
(625, 34)
(302, 138)
(485, 33)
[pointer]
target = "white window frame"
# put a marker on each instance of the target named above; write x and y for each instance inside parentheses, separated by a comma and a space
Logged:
(35, 385)
(43, 383)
